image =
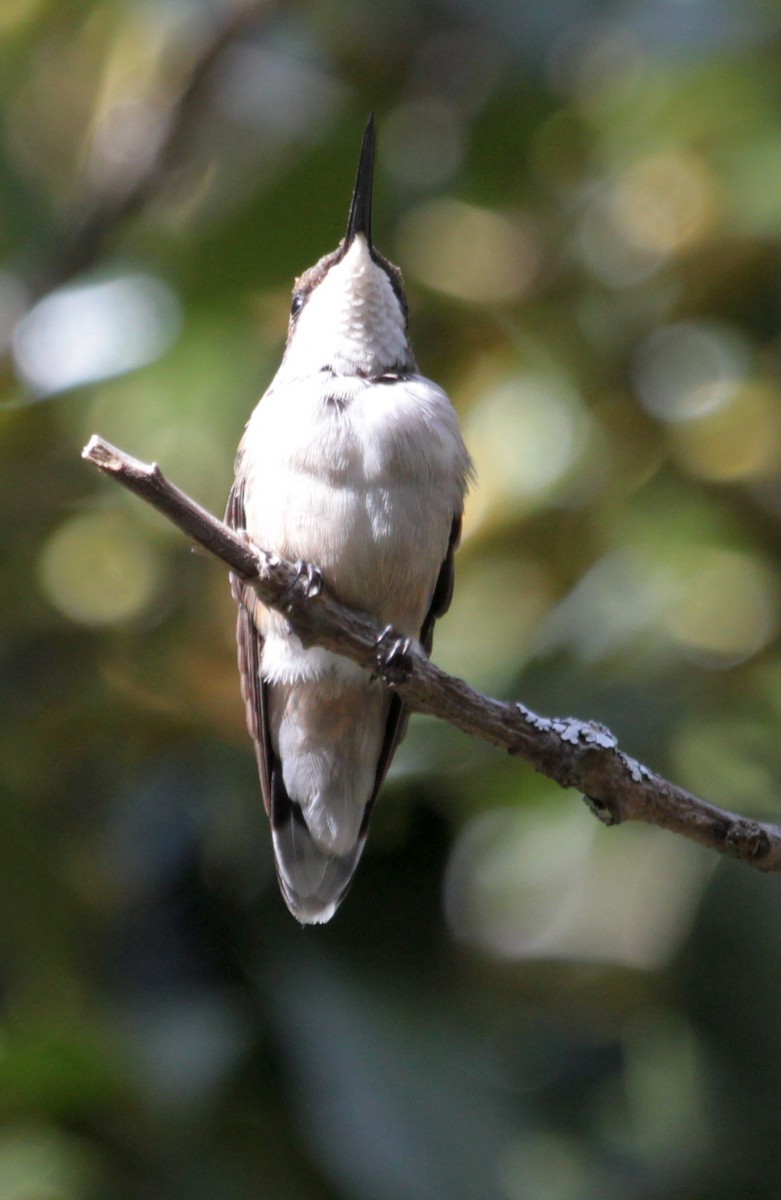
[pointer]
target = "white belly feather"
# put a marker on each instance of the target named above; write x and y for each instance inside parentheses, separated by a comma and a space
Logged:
(362, 479)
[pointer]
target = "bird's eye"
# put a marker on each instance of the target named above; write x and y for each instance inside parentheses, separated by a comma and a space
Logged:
(297, 304)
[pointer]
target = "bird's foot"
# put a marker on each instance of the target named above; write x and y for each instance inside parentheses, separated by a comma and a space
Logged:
(394, 657)
(307, 584)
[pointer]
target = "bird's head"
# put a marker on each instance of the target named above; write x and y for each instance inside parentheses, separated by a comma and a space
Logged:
(349, 311)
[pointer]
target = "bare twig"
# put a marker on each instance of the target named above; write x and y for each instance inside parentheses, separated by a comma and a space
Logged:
(574, 753)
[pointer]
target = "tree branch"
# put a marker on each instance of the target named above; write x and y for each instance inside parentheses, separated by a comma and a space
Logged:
(576, 754)
(105, 213)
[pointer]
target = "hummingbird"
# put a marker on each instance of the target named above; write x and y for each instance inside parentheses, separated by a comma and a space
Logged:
(353, 462)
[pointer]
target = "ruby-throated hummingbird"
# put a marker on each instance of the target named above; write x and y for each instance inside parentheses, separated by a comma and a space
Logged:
(354, 462)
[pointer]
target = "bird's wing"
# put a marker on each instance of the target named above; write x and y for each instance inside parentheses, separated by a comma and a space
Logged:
(398, 716)
(250, 647)
(443, 592)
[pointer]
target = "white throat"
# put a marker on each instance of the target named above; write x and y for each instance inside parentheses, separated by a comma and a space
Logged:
(352, 322)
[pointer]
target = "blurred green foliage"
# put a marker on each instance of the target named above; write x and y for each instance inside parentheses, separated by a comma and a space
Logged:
(513, 1003)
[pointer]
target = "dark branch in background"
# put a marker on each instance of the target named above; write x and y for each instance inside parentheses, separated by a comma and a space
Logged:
(576, 754)
(106, 213)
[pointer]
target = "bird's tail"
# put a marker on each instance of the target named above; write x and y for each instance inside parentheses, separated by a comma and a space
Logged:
(313, 879)
(327, 742)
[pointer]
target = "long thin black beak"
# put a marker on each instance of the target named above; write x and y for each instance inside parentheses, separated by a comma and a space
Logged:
(360, 219)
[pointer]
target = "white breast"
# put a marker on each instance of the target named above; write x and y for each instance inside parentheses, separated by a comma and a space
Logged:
(352, 322)
(363, 479)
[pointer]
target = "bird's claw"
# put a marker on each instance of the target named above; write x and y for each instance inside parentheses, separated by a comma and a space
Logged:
(394, 657)
(307, 584)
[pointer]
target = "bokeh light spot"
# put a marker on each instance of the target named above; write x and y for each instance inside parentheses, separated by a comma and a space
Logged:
(95, 570)
(490, 653)
(545, 883)
(726, 609)
(613, 606)
(37, 1162)
(15, 12)
(280, 89)
(689, 369)
(92, 331)
(742, 441)
(609, 256)
(731, 760)
(469, 253)
(545, 1166)
(664, 203)
(524, 436)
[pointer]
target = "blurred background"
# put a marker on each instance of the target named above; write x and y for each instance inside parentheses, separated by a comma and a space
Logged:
(514, 1003)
